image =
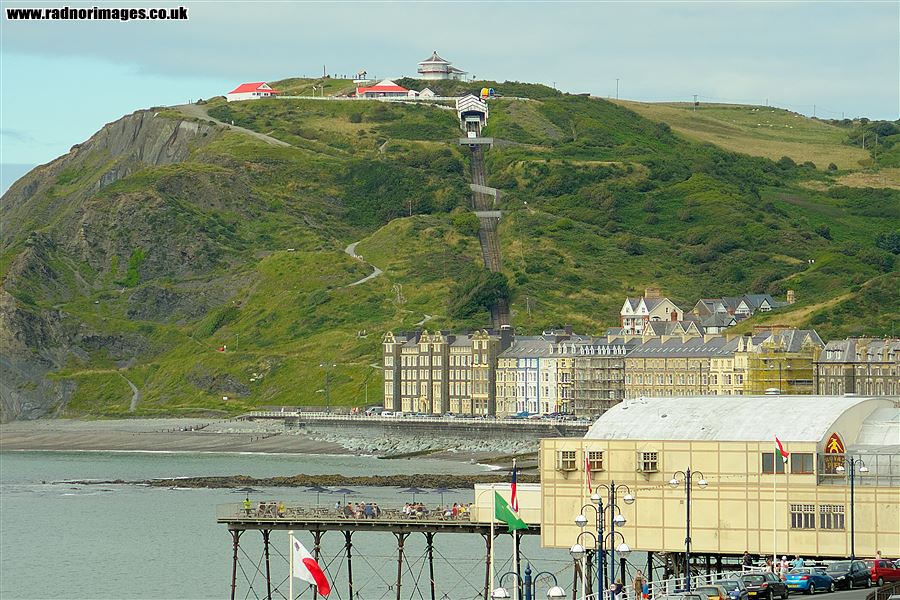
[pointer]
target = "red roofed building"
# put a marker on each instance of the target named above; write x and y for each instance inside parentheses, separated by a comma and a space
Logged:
(251, 91)
(383, 89)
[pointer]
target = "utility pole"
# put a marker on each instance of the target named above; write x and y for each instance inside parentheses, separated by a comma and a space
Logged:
(617, 88)
(554, 85)
(695, 102)
(323, 72)
(814, 111)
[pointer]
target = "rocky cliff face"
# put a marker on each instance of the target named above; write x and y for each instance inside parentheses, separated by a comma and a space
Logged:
(64, 236)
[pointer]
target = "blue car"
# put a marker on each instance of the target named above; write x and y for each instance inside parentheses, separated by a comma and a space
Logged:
(809, 580)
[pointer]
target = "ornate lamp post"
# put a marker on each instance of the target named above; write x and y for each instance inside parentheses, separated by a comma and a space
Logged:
(529, 584)
(853, 463)
(615, 519)
(687, 477)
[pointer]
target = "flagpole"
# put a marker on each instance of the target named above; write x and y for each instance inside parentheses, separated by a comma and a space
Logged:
(515, 546)
(291, 565)
(493, 518)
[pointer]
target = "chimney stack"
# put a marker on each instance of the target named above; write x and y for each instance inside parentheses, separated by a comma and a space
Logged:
(652, 292)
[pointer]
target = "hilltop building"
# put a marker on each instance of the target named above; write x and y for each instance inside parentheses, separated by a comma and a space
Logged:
(435, 67)
(251, 91)
(636, 313)
(750, 502)
(382, 89)
(859, 366)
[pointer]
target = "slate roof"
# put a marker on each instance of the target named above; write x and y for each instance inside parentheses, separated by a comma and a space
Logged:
(845, 351)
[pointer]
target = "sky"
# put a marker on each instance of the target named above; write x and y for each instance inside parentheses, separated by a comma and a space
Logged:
(61, 81)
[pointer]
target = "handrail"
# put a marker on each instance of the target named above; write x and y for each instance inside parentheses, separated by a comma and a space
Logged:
(885, 591)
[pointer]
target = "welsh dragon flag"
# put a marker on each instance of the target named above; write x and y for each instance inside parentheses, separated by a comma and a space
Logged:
(504, 513)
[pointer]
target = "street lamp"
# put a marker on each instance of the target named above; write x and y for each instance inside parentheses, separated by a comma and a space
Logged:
(529, 584)
(615, 519)
(853, 463)
(688, 478)
(579, 553)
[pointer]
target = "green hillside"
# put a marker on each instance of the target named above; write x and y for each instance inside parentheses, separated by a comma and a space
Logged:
(118, 267)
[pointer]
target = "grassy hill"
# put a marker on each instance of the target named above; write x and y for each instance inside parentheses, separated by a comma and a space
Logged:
(163, 238)
(765, 131)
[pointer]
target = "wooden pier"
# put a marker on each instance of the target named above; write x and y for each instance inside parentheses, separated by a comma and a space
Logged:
(267, 517)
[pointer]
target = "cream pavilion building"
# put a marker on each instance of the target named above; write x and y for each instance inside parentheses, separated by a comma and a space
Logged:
(730, 442)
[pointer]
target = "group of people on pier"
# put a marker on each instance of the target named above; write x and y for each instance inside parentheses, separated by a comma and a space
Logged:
(360, 510)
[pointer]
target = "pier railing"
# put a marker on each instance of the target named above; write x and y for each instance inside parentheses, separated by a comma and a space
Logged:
(269, 510)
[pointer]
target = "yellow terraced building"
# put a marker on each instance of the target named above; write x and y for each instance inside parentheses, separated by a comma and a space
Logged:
(643, 442)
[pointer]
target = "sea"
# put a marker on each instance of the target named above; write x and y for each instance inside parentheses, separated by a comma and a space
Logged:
(73, 541)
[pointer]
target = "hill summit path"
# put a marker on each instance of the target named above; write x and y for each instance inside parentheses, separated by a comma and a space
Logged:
(198, 111)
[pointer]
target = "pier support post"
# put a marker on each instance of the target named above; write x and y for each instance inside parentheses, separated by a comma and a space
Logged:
(429, 544)
(317, 549)
(576, 574)
(708, 564)
(236, 535)
(589, 575)
(348, 544)
(401, 538)
(265, 534)
(488, 541)
(718, 563)
(649, 567)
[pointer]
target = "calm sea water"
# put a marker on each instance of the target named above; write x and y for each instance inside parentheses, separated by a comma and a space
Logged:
(61, 540)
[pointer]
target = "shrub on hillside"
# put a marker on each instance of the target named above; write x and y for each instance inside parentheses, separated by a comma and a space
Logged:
(823, 230)
(477, 292)
(466, 223)
(889, 241)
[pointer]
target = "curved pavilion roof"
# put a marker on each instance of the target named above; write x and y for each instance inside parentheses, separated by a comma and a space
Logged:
(728, 418)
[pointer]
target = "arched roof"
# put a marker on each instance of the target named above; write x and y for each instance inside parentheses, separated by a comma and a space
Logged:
(728, 418)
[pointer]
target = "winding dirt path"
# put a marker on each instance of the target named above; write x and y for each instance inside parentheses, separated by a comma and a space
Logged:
(135, 394)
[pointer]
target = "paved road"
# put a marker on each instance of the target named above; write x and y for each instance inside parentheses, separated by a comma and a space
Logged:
(859, 594)
(351, 250)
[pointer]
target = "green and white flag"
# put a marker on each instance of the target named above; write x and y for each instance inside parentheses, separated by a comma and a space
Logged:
(505, 514)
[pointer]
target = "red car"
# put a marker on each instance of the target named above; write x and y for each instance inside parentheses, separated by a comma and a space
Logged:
(883, 571)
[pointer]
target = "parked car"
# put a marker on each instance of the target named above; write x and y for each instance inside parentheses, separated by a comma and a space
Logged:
(850, 574)
(712, 592)
(764, 585)
(387, 413)
(883, 571)
(735, 588)
(809, 580)
(685, 596)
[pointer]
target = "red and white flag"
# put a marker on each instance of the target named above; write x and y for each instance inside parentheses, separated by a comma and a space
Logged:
(587, 471)
(305, 567)
(784, 453)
